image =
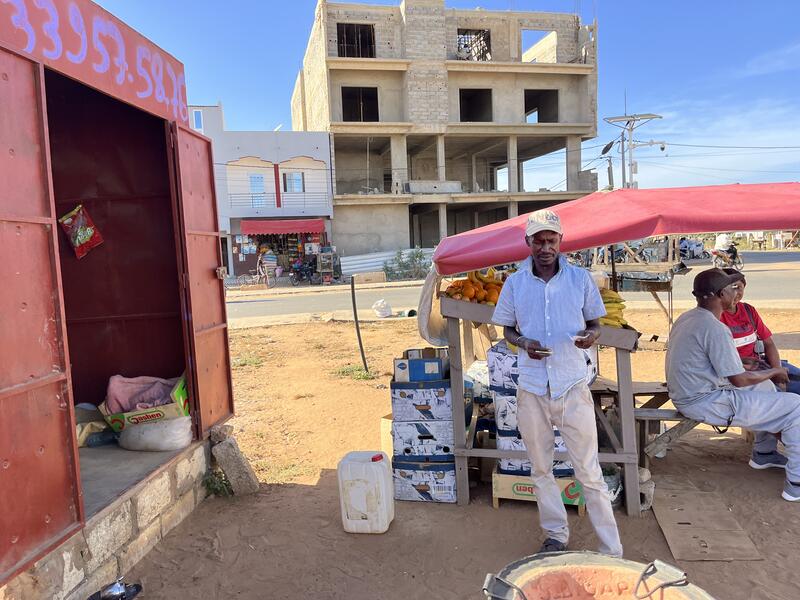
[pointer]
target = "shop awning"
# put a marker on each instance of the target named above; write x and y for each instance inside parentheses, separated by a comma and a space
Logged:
(606, 218)
(266, 226)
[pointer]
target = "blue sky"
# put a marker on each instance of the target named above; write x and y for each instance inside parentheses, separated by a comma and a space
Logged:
(721, 73)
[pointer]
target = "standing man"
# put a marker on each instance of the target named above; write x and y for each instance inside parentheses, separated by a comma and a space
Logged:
(550, 310)
(708, 383)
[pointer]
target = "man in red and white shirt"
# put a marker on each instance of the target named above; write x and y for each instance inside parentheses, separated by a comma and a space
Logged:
(754, 343)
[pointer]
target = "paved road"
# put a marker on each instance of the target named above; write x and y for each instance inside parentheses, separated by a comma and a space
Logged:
(770, 276)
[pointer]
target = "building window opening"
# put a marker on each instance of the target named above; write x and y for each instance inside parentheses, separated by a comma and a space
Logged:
(258, 193)
(197, 118)
(541, 106)
(539, 46)
(474, 44)
(360, 104)
(294, 183)
(355, 41)
(475, 105)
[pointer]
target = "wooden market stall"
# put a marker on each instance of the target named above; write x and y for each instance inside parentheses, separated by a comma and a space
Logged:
(461, 319)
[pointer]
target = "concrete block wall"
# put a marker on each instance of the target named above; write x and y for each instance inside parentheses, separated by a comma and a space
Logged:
(368, 228)
(117, 538)
(566, 27)
(500, 31)
(315, 77)
(387, 21)
(427, 99)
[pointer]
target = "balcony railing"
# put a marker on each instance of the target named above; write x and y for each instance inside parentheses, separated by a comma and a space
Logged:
(316, 203)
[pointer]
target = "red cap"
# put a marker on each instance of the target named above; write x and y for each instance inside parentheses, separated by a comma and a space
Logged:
(377, 458)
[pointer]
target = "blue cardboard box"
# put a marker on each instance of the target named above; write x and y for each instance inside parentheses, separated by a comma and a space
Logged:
(422, 364)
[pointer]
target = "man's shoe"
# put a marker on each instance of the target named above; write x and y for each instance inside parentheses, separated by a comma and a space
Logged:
(771, 460)
(791, 491)
(551, 545)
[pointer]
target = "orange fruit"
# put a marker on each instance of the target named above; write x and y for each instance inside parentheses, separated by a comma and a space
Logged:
(468, 291)
(492, 296)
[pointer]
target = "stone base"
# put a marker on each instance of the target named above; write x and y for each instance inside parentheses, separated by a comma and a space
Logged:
(119, 536)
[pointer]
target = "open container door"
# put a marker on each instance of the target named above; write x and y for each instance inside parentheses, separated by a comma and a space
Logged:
(212, 393)
(40, 498)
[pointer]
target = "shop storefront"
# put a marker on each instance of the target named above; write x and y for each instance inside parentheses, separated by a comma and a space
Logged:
(291, 240)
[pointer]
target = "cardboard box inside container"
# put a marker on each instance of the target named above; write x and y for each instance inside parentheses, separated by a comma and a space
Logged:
(179, 407)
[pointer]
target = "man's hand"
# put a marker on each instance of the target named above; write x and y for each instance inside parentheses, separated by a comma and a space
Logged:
(780, 377)
(531, 347)
(586, 338)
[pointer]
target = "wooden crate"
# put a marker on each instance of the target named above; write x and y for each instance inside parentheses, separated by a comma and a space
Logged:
(520, 487)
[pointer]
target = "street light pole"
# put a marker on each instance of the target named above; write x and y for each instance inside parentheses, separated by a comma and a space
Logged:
(628, 123)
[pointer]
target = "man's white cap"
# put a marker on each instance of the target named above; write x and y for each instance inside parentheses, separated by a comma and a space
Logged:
(542, 220)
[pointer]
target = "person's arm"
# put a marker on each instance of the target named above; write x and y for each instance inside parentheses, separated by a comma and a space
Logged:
(772, 353)
(593, 309)
(748, 378)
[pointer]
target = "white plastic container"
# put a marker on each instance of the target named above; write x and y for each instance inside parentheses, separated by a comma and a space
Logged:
(366, 492)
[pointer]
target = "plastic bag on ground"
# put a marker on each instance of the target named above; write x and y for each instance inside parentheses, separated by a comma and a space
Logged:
(159, 436)
(382, 309)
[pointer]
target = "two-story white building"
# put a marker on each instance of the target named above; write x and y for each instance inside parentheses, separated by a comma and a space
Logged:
(273, 187)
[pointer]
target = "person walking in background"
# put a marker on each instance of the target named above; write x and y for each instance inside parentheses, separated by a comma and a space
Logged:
(550, 310)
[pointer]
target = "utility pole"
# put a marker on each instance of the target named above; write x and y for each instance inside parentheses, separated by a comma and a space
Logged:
(628, 123)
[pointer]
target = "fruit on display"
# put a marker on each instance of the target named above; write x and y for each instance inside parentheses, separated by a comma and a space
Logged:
(479, 287)
(615, 307)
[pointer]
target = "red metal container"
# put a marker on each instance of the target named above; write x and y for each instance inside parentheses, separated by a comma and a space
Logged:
(94, 114)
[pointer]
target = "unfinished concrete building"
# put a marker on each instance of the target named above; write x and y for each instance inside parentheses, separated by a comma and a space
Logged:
(435, 113)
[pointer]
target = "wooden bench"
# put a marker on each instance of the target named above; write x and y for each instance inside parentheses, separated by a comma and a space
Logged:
(646, 416)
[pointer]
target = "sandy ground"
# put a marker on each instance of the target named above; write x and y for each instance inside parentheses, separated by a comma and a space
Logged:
(299, 412)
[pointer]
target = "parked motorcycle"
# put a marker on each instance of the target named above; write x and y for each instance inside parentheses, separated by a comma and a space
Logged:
(304, 273)
(728, 258)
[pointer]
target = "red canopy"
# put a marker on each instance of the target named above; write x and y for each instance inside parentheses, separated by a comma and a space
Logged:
(606, 218)
(265, 226)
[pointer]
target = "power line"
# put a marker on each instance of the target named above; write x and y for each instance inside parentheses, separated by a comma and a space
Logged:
(740, 147)
(721, 169)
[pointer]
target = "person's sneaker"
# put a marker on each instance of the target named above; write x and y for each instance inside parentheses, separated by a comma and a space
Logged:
(551, 545)
(771, 460)
(791, 491)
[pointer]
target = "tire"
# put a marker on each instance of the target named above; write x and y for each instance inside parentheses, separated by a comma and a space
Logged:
(738, 263)
(705, 255)
(242, 280)
(294, 280)
(718, 263)
(272, 281)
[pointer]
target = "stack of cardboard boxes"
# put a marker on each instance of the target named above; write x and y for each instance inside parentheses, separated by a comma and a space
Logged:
(421, 426)
(503, 378)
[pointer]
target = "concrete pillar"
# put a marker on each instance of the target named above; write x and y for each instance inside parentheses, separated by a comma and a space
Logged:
(416, 232)
(399, 160)
(513, 209)
(573, 161)
(513, 166)
(442, 221)
(474, 174)
(440, 158)
(476, 219)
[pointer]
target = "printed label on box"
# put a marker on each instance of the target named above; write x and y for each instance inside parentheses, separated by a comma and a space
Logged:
(505, 411)
(424, 439)
(431, 401)
(503, 368)
(561, 468)
(424, 482)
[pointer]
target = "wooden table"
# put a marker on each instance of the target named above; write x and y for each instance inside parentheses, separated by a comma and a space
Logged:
(462, 315)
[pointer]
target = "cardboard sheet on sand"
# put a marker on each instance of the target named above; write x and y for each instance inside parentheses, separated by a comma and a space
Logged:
(698, 526)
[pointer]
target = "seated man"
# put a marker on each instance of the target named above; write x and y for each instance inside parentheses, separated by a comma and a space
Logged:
(752, 337)
(707, 382)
